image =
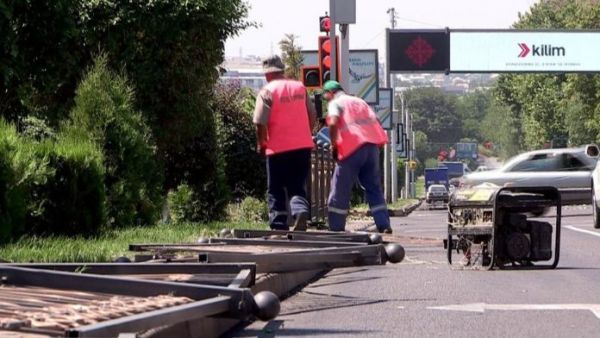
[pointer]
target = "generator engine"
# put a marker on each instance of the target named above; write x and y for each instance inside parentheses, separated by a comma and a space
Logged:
(491, 226)
(519, 240)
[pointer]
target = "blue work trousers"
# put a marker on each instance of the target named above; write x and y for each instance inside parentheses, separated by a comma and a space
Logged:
(287, 172)
(364, 165)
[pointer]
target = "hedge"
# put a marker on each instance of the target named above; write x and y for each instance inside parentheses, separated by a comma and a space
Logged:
(49, 187)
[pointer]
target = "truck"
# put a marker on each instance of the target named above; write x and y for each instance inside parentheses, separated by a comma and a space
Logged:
(455, 169)
(436, 176)
(466, 151)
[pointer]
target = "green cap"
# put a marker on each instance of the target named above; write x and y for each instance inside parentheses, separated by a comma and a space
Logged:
(331, 86)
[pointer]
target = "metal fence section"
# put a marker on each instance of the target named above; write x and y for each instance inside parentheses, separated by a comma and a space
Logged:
(319, 182)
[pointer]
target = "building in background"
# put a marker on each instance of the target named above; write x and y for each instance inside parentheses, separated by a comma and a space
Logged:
(247, 71)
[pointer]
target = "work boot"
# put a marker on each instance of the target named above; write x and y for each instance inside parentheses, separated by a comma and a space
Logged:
(373, 228)
(300, 221)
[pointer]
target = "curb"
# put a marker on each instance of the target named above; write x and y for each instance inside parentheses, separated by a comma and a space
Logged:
(401, 212)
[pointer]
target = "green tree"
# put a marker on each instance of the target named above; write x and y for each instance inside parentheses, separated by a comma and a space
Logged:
(434, 113)
(555, 106)
(291, 55)
(472, 108)
(104, 112)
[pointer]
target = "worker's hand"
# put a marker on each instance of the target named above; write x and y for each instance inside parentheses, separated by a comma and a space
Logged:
(261, 150)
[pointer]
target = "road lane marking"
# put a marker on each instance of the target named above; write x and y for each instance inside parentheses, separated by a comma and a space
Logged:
(593, 233)
(481, 307)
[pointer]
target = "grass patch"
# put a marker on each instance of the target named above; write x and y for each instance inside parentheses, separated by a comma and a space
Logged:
(107, 247)
(420, 187)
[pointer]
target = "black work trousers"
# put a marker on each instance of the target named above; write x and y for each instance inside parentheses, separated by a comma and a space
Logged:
(287, 173)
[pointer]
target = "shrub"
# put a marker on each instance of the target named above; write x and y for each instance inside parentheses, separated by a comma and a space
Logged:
(12, 201)
(250, 209)
(104, 111)
(49, 187)
(181, 204)
(72, 198)
(244, 168)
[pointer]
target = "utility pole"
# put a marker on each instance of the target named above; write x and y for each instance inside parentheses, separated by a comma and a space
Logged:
(390, 156)
(333, 68)
(388, 166)
(392, 12)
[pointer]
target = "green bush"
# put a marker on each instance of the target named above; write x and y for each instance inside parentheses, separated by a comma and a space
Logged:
(72, 198)
(250, 210)
(49, 187)
(244, 168)
(104, 112)
(181, 204)
(12, 200)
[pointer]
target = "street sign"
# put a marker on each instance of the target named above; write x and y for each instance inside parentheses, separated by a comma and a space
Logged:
(363, 73)
(418, 51)
(403, 147)
(384, 108)
(500, 51)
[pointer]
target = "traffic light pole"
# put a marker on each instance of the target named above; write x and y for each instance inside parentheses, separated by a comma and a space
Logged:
(333, 68)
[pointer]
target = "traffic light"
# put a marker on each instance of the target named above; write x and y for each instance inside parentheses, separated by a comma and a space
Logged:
(311, 77)
(325, 61)
(324, 23)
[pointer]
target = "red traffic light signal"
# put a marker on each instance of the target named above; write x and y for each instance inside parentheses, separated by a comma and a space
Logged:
(311, 77)
(325, 61)
(324, 23)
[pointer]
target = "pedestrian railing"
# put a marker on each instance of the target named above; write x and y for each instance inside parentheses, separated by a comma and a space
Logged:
(319, 182)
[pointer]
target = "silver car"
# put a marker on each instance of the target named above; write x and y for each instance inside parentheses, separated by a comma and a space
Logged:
(567, 169)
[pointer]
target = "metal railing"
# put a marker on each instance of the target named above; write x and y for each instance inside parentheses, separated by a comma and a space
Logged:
(319, 182)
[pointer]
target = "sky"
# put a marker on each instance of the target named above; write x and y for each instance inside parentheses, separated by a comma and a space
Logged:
(301, 18)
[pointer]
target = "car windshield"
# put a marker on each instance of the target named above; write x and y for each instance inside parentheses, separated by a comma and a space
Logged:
(439, 188)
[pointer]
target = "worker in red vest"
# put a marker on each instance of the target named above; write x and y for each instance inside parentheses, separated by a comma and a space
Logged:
(284, 118)
(356, 136)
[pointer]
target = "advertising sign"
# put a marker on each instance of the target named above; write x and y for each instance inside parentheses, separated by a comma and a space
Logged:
(418, 51)
(363, 75)
(384, 108)
(499, 51)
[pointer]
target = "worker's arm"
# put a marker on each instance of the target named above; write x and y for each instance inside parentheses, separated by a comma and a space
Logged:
(262, 112)
(261, 138)
(333, 120)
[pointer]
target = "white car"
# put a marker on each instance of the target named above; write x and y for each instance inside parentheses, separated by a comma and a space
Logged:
(437, 193)
(567, 169)
(596, 195)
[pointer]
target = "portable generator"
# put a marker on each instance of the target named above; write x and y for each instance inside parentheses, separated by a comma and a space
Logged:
(490, 226)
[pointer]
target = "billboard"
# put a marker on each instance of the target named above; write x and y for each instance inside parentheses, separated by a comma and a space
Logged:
(418, 50)
(384, 108)
(499, 51)
(363, 75)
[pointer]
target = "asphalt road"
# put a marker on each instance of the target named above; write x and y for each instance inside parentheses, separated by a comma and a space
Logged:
(424, 297)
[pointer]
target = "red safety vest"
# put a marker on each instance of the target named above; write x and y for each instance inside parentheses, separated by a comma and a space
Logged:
(288, 127)
(358, 124)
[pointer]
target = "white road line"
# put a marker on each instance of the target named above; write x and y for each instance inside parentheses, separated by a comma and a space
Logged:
(593, 233)
(481, 307)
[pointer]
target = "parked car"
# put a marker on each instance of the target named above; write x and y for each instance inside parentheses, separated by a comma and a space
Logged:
(437, 193)
(567, 169)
